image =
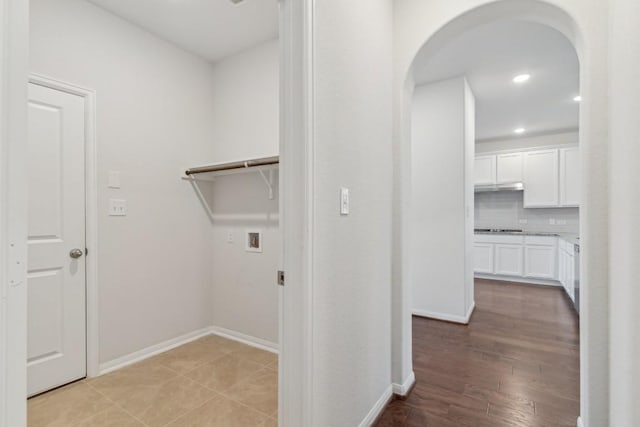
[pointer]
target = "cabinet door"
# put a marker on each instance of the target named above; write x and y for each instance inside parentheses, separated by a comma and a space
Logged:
(485, 170)
(570, 176)
(509, 168)
(483, 258)
(541, 179)
(562, 268)
(508, 260)
(540, 261)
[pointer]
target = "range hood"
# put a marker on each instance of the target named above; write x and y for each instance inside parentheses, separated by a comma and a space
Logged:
(514, 186)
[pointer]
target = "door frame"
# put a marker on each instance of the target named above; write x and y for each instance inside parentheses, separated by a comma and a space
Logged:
(92, 357)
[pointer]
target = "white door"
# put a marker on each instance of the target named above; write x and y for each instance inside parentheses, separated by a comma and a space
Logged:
(539, 262)
(56, 347)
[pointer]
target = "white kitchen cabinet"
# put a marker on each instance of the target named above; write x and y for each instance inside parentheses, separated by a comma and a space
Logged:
(483, 258)
(541, 179)
(509, 168)
(540, 256)
(570, 176)
(566, 267)
(485, 170)
(508, 259)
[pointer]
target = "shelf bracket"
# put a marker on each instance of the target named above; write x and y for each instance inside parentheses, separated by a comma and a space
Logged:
(268, 181)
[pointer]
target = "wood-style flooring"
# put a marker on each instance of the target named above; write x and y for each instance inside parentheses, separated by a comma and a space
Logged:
(515, 364)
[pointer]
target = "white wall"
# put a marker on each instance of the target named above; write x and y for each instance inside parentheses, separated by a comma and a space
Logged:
(625, 205)
(154, 109)
(351, 254)
(245, 292)
(245, 120)
(527, 142)
(442, 199)
(245, 110)
(504, 209)
(586, 24)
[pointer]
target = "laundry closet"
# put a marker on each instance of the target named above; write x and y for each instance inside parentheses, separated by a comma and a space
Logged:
(153, 206)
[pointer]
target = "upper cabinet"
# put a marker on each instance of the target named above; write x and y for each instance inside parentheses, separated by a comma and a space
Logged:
(570, 176)
(509, 168)
(541, 179)
(551, 177)
(485, 170)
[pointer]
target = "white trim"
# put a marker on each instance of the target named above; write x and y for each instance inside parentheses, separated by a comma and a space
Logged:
(446, 317)
(403, 389)
(14, 60)
(378, 408)
(579, 422)
(91, 213)
(524, 280)
(297, 202)
(245, 339)
(145, 353)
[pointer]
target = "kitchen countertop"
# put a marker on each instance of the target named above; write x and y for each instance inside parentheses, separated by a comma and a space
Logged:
(569, 237)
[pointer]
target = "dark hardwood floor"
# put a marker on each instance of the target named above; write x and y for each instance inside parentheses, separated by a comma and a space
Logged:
(515, 364)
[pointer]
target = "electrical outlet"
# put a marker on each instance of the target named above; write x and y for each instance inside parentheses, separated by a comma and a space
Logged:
(522, 221)
(561, 222)
(229, 236)
(552, 221)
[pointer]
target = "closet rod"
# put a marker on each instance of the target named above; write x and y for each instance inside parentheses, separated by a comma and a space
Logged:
(234, 165)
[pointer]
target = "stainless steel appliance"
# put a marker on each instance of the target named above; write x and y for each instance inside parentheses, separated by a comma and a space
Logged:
(576, 275)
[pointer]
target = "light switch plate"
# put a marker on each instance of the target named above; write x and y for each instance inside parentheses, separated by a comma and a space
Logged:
(344, 201)
(117, 207)
(114, 179)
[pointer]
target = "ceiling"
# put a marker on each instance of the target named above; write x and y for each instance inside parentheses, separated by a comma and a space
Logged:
(490, 56)
(211, 29)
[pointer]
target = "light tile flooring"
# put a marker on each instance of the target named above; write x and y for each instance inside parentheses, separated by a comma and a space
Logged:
(209, 382)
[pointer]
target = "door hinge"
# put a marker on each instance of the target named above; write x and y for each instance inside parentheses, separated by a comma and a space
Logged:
(280, 277)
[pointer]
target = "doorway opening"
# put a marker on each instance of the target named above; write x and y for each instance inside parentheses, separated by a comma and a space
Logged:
(185, 301)
(523, 234)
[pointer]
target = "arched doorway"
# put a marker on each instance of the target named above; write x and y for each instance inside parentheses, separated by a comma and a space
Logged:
(428, 32)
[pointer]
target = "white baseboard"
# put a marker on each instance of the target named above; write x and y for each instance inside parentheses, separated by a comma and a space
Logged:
(544, 282)
(156, 349)
(403, 389)
(580, 422)
(377, 409)
(245, 339)
(150, 351)
(445, 316)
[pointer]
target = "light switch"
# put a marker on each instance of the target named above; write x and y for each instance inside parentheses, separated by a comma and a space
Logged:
(114, 179)
(117, 207)
(344, 201)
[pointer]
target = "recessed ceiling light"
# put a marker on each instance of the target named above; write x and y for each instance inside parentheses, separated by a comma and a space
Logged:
(577, 98)
(518, 130)
(521, 78)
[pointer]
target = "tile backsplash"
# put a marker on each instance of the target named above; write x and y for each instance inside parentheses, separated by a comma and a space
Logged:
(504, 209)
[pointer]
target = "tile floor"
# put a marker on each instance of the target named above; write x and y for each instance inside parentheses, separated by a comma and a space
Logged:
(209, 382)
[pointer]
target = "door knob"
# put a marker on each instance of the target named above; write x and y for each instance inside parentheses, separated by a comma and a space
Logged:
(75, 253)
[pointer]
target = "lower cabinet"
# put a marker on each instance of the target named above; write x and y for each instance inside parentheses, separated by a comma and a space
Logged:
(566, 267)
(483, 258)
(540, 261)
(508, 259)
